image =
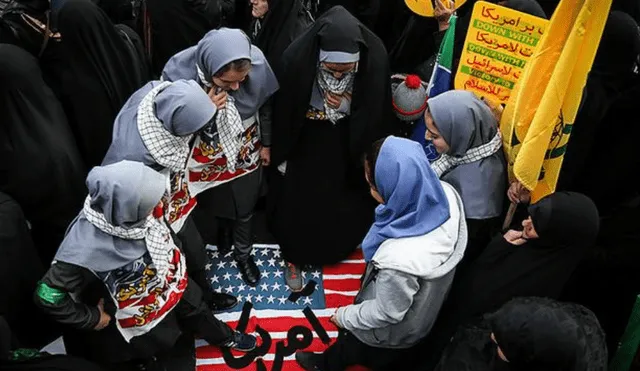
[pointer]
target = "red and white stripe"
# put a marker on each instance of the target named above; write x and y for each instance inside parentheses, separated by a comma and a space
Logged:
(341, 283)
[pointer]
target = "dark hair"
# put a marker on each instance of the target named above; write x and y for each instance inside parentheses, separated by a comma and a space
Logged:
(371, 158)
(241, 64)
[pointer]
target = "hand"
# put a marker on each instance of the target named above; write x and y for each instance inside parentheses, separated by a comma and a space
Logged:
(334, 320)
(104, 317)
(514, 237)
(518, 193)
(443, 12)
(220, 99)
(496, 109)
(265, 156)
(333, 100)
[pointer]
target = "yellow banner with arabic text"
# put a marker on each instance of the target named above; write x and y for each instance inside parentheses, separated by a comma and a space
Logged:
(537, 121)
(498, 45)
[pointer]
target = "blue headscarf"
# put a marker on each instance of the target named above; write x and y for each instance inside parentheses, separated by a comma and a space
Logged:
(414, 201)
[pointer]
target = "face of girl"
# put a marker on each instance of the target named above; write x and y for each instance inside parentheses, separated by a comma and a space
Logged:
(231, 79)
(259, 8)
(433, 135)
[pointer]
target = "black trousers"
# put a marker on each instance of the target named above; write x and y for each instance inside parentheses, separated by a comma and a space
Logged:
(349, 351)
(195, 316)
(195, 253)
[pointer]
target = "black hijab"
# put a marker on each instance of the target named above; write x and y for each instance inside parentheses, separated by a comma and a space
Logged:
(539, 334)
(285, 20)
(335, 30)
(534, 334)
(102, 73)
(41, 167)
(567, 224)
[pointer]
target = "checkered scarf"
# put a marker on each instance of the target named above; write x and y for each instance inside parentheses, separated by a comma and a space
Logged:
(229, 127)
(155, 233)
(329, 84)
(165, 148)
(446, 162)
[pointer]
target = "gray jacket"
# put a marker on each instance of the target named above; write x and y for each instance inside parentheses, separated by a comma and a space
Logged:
(406, 283)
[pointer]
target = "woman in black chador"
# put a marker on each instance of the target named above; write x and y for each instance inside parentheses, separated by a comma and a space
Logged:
(334, 101)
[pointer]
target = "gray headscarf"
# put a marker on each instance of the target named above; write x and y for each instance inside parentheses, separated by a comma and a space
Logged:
(216, 49)
(125, 193)
(465, 122)
(182, 107)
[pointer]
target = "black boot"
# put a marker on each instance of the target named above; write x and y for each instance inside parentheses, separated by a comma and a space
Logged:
(221, 301)
(309, 361)
(249, 270)
(225, 236)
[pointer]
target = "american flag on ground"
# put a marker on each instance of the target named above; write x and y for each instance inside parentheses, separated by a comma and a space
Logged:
(273, 311)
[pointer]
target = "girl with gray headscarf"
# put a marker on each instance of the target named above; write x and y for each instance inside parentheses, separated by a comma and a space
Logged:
(465, 131)
(227, 156)
(119, 283)
(156, 127)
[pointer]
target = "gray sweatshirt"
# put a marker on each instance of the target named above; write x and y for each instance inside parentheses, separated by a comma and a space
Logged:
(406, 283)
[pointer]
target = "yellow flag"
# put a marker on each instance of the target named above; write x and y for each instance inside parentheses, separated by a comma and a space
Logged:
(539, 115)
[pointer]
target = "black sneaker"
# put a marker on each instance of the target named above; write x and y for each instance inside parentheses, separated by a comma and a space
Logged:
(309, 361)
(242, 342)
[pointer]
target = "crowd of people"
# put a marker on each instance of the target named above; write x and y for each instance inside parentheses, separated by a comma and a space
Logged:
(130, 130)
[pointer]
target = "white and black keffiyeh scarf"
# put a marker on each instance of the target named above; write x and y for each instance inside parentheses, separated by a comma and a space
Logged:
(155, 233)
(329, 84)
(228, 124)
(165, 148)
(446, 162)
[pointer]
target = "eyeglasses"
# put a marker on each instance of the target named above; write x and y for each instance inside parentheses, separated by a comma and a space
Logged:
(324, 68)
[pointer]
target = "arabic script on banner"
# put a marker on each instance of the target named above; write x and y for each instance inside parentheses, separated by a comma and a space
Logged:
(499, 43)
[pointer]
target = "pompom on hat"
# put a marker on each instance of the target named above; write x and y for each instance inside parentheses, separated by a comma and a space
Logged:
(409, 97)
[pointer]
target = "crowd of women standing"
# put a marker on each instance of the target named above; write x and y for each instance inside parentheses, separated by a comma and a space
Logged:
(130, 129)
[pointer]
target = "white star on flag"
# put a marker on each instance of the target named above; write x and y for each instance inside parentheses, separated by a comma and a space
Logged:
(227, 276)
(271, 299)
(276, 254)
(264, 287)
(214, 254)
(218, 289)
(233, 264)
(277, 274)
(264, 274)
(214, 278)
(259, 263)
(221, 265)
(307, 300)
(264, 252)
(240, 297)
(253, 252)
(315, 274)
(282, 264)
(251, 288)
(282, 300)
(272, 262)
(228, 255)
(207, 266)
(275, 286)
(241, 287)
(229, 289)
(248, 298)
(238, 276)
(304, 274)
(259, 298)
